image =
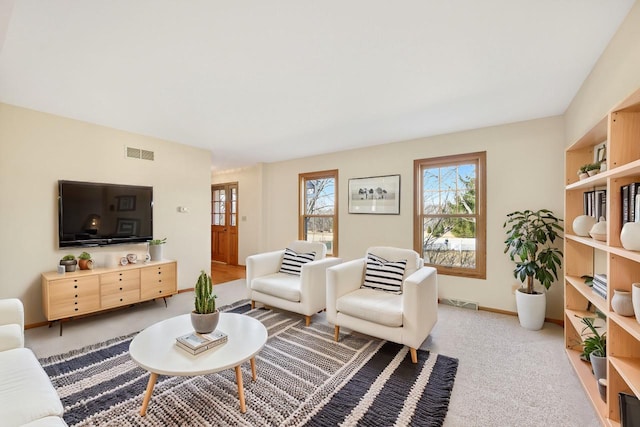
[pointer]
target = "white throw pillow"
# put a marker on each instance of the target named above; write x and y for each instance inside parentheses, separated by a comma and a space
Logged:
(292, 261)
(384, 275)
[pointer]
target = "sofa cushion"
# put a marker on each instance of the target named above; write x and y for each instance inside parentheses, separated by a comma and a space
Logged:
(11, 337)
(293, 261)
(281, 285)
(47, 422)
(379, 307)
(384, 275)
(26, 393)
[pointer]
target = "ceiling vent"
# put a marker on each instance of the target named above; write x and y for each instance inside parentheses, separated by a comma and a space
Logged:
(138, 153)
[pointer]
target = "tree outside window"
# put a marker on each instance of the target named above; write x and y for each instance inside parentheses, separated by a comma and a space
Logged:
(450, 220)
(318, 209)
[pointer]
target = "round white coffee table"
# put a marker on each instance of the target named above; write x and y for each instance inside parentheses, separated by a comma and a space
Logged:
(155, 350)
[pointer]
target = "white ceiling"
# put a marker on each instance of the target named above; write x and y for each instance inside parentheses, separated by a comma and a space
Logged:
(263, 81)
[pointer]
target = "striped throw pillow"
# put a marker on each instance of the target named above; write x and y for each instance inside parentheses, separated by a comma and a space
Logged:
(292, 261)
(384, 275)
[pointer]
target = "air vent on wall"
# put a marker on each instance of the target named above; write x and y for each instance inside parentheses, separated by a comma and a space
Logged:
(137, 153)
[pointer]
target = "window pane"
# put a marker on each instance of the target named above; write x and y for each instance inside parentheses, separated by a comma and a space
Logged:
(449, 190)
(450, 242)
(319, 229)
(319, 196)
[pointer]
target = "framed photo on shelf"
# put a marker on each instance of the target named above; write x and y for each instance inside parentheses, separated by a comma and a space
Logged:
(375, 195)
(600, 152)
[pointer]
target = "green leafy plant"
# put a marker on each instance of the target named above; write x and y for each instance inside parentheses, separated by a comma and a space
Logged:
(84, 255)
(593, 166)
(158, 241)
(530, 236)
(592, 342)
(205, 298)
(68, 257)
(583, 169)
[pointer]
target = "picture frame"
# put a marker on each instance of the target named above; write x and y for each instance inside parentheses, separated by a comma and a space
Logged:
(377, 195)
(126, 203)
(600, 152)
(127, 226)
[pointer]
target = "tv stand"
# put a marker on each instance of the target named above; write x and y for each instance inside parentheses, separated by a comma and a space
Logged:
(84, 292)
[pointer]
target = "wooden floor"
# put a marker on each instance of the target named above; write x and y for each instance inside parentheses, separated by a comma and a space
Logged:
(221, 273)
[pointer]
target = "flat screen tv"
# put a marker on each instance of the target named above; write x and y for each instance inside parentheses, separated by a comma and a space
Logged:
(95, 214)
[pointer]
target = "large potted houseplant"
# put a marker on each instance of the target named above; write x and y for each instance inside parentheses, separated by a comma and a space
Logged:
(530, 239)
(204, 317)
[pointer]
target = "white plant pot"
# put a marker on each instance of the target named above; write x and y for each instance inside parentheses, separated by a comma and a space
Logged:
(155, 251)
(531, 309)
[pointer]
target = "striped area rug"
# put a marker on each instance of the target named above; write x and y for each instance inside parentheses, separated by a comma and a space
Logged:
(304, 378)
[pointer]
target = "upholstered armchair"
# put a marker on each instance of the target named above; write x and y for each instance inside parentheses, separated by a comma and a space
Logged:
(11, 324)
(293, 279)
(389, 294)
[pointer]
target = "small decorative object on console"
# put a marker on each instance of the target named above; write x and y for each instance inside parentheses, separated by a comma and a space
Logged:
(132, 258)
(124, 261)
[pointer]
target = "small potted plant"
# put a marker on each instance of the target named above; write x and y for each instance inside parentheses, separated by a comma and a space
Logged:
(69, 262)
(582, 172)
(593, 168)
(84, 261)
(594, 350)
(155, 249)
(204, 317)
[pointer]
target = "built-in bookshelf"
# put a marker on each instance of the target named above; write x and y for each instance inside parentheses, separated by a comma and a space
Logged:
(619, 130)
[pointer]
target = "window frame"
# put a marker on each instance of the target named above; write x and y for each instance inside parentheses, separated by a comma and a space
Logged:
(480, 160)
(302, 178)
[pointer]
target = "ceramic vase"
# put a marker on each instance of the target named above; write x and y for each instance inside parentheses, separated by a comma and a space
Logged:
(635, 299)
(630, 234)
(599, 230)
(582, 224)
(622, 303)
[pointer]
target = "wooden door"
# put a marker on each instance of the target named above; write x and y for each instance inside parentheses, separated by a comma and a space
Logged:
(224, 223)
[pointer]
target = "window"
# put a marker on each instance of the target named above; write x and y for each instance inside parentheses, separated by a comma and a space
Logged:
(450, 222)
(319, 209)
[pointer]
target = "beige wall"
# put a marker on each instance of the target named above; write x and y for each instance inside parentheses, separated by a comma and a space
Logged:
(615, 76)
(525, 166)
(37, 149)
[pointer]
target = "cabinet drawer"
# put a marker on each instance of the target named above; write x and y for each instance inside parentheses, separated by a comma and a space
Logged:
(120, 276)
(120, 298)
(72, 297)
(158, 281)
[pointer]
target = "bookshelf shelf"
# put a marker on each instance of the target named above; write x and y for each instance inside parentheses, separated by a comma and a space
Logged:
(620, 131)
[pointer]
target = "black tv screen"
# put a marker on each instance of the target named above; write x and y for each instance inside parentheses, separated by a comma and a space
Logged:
(95, 214)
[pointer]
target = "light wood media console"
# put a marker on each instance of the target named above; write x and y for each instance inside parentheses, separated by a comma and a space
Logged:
(83, 292)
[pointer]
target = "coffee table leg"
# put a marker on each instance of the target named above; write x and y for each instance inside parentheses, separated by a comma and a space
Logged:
(243, 408)
(253, 368)
(147, 396)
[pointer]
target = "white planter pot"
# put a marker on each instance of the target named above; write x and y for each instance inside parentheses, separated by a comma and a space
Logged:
(531, 309)
(155, 251)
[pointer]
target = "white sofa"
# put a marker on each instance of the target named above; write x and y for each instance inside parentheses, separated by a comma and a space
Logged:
(304, 294)
(27, 397)
(406, 318)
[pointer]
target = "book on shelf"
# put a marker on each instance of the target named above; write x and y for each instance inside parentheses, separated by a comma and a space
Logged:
(196, 343)
(625, 203)
(595, 203)
(633, 191)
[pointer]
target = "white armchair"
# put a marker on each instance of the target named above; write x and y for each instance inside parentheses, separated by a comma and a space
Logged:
(11, 324)
(405, 318)
(303, 294)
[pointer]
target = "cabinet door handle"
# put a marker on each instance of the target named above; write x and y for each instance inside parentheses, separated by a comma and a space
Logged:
(120, 288)
(75, 286)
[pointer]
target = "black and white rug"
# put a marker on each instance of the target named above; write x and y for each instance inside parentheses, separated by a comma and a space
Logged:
(304, 378)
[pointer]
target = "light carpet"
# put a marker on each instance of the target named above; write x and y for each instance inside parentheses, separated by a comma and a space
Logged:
(304, 378)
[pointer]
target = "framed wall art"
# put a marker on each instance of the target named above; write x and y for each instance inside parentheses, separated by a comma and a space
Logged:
(375, 195)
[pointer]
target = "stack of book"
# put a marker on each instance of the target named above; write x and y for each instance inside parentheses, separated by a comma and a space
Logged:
(629, 193)
(600, 285)
(196, 343)
(595, 203)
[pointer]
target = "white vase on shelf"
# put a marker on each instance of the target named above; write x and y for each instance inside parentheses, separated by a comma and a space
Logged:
(621, 302)
(582, 224)
(635, 299)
